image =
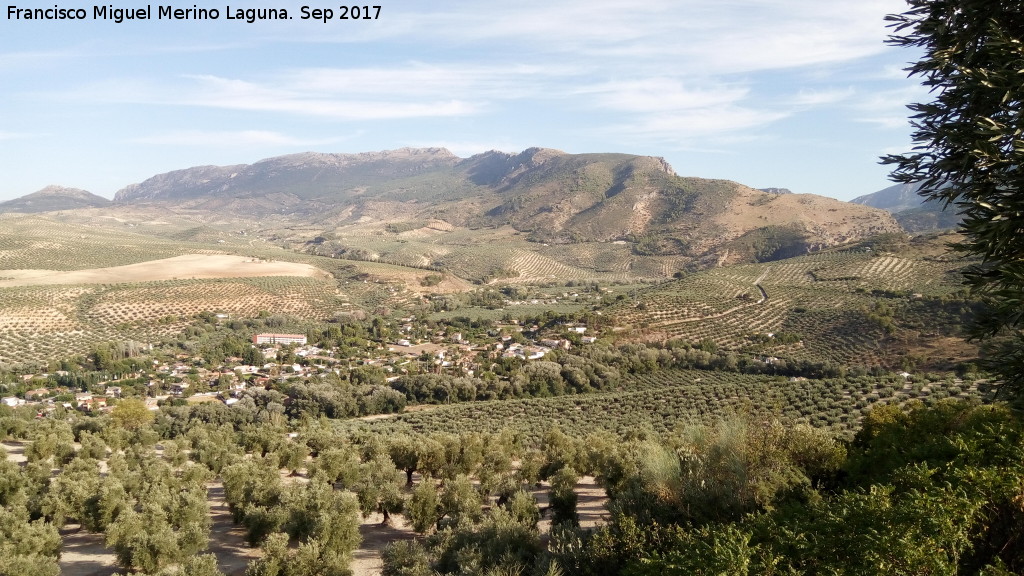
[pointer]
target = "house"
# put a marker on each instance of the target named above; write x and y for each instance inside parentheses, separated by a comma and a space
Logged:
(279, 339)
(12, 401)
(93, 404)
(37, 393)
(178, 388)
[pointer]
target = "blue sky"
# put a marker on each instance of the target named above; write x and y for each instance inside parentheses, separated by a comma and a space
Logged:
(801, 94)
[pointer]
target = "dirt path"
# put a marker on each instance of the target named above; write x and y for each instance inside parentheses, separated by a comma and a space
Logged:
(376, 536)
(590, 505)
(15, 451)
(84, 554)
(227, 541)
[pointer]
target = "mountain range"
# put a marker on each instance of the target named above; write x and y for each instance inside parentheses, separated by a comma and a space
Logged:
(913, 212)
(548, 196)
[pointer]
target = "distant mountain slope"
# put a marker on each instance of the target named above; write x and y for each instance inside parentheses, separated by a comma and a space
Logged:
(550, 196)
(894, 198)
(911, 210)
(928, 216)
(53, 198)
(296, 178)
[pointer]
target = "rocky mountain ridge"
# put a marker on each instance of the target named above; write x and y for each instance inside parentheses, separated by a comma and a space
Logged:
(549, 196)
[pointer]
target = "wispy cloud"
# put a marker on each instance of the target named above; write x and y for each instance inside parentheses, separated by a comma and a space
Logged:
(811, 97)
(706, 36)
(705, 123)
(15, 135)
(34, 59)
(217, 92)
(436, 80)
(664, 109)
(240, 138)
(404, 91)
(888, 108)
(661, 94)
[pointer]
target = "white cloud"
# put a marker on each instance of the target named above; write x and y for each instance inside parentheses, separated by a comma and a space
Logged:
(712, 122)
(271, 96)
(888, 108)
(664, 109)
(234, 139)
(34, 60)
(661, 94)
(698, 36)
(14, 136)
(437, 80)
(811, 97)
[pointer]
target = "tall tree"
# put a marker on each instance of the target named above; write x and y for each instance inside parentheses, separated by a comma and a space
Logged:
(131, 414)
(969, 148)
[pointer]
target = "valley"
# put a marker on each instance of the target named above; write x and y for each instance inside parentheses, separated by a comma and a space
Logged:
(500, 351)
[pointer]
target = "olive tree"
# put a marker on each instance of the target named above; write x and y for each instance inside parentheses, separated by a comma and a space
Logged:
(969, 149)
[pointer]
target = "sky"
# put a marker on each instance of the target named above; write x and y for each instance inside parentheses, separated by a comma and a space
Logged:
(798, 94)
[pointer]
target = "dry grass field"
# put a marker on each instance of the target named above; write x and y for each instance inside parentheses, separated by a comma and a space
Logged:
(192, 266)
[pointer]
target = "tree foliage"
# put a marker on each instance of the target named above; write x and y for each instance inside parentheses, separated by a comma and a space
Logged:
(969, 147)
(131, 414)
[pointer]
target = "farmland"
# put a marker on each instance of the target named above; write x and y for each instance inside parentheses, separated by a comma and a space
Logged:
(443, 355)
(858, 306)
(666, 401)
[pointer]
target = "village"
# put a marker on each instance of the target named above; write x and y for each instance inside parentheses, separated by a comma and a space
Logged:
(288, 357)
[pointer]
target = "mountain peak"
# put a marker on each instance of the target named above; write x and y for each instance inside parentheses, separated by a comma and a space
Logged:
(53, 198)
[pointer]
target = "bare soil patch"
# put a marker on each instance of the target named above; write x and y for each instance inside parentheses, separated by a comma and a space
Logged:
(366, 559)
(227, 540)
(84, 554)
(189, 266)
(590, 505)
(15, 452)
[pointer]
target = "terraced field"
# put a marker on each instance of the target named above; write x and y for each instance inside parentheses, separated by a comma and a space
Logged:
(849, 307)
(493, 254)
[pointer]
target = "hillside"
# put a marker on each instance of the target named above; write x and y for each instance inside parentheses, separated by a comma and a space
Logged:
(549, 197)
(890, 303)
(912, 212)
(53, 198)
(540, 215)
(895, 198)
